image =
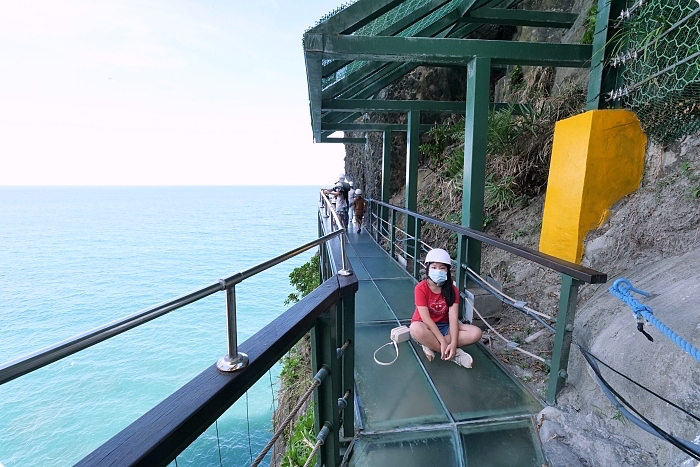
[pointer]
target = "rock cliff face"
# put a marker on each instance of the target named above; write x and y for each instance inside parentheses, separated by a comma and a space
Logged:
(652, 237)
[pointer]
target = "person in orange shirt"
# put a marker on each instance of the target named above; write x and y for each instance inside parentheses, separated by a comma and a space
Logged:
(359, 208)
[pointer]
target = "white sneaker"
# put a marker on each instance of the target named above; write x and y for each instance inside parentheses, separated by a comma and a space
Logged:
(462, 358)
(429, 354)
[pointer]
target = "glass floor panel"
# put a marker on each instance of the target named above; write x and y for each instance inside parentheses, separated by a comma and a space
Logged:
(369, 249)
(363, 237)
(391, 396)
(501, 444)
(383, 267)
(399, 295)
(358, 268)
(408, 449)
(462, 389)
(370, 306)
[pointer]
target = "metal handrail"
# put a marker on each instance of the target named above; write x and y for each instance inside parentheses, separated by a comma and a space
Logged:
(345, 271)
(40, 358)
(573, 270)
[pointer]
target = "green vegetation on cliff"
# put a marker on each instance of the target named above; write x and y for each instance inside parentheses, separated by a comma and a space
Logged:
(295, 376)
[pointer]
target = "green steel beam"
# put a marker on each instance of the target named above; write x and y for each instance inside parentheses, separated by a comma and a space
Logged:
(415, 15)
(313, 79)
(447, 51)
(386, 180)
(369, 71)
(502, 16)
(386, 167)
(372, 105)
(376, 105)
(373, 77)
(475, 135)
(371, 127)
(355, 16)
(344, 140)
(453, 31)
(412, 143)
(436, 29)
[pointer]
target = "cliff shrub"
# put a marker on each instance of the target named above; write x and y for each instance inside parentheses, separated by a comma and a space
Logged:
(301, 441)
(589, 25)
(305, 278)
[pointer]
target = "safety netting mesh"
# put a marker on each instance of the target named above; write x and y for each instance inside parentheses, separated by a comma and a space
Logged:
(658, 46)
(387, 20)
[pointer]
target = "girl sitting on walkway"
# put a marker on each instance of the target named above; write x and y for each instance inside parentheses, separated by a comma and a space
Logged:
(435, 323)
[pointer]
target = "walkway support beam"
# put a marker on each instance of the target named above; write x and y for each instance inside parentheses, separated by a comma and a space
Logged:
(475, 134)
(386, 179)
(506, 17)
(413, 141)
(562, 338)
(444, 50)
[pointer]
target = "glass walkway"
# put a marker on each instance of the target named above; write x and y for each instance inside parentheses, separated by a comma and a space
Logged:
(416, 412)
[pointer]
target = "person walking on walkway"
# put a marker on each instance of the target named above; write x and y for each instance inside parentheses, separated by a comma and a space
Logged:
(435, 323)
(359, 207)
(340, 195)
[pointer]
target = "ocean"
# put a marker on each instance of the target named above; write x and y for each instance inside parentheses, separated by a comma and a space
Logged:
(74, 258)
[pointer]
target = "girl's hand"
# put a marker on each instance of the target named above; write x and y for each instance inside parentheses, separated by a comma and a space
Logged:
(451, 352)
(445, 350)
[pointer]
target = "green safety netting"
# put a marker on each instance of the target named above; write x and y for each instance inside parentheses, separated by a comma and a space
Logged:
(659, 46)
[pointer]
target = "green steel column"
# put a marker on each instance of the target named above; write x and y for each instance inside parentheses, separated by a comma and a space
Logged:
(562, 339)
(324, 343)
(386, 178)
(604, 78)
(475, 133)
(348, 360)
(413, 141)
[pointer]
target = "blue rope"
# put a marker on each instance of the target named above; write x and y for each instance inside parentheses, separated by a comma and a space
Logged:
(621, 289)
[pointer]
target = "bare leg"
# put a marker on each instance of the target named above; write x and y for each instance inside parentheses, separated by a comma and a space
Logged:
(421, 333)
(468, 334)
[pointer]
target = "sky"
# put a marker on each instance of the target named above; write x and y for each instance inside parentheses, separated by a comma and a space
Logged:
(155, 92)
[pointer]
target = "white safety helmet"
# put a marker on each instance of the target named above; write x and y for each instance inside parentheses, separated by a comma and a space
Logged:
(350, 183)
(358, 192)
(438, 255)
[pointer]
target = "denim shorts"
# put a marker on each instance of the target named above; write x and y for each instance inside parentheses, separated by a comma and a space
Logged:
(444, 327)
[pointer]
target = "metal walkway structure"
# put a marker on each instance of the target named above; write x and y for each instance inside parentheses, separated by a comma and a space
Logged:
(416, 412)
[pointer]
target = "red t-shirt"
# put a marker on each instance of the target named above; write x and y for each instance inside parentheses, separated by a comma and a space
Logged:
(434, 301)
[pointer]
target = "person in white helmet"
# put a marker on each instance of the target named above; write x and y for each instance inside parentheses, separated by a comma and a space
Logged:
(435, 323)
(359, 207)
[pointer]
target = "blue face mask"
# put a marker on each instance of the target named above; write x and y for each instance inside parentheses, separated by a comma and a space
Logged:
(437, 275)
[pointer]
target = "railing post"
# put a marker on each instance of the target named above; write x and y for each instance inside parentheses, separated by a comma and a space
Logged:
(562, 339)
(375, 231)
(416, 249)
(234, 360)
(324, 343)
(392, 248)
(346, 270)
(461, 270)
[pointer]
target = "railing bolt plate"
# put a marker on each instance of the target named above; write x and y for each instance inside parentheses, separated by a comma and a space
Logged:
(227, 364)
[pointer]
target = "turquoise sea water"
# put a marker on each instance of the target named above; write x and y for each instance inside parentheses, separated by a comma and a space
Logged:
(74, 258)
